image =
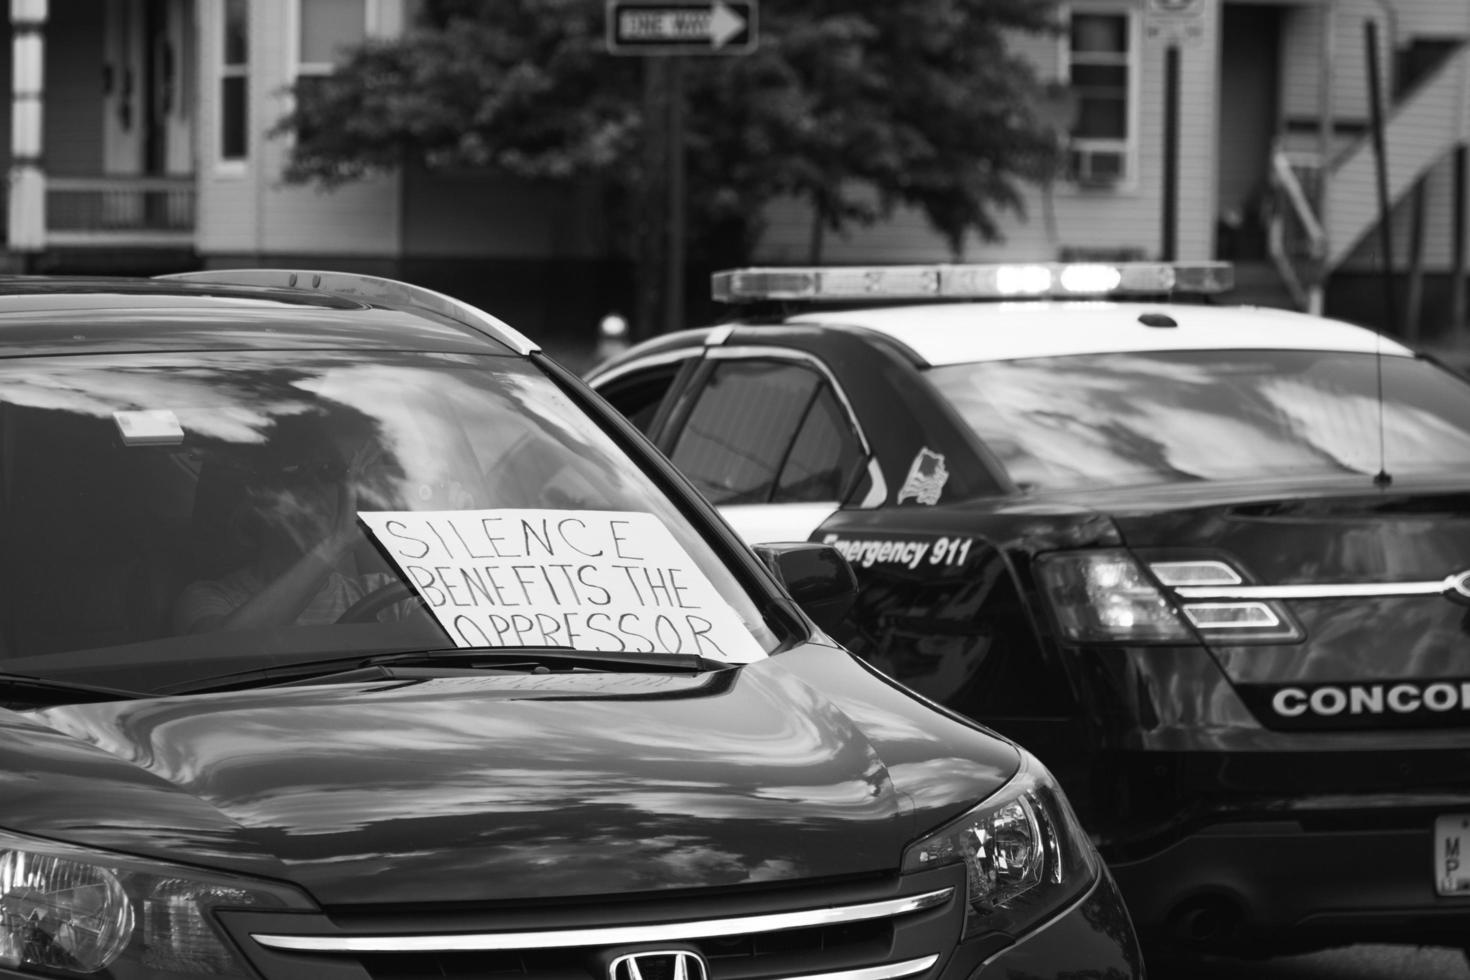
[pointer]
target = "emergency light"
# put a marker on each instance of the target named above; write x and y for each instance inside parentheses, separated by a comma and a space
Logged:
(972, 281)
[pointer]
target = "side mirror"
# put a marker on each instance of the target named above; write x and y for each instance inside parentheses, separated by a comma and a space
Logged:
(816, 576)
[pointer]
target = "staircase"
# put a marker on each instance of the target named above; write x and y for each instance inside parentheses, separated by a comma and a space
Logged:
(1420, 130)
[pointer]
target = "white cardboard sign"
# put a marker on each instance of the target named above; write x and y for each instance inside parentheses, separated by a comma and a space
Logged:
(593, 580)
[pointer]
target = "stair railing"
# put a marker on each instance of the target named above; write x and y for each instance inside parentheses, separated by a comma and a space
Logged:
(1295, 238)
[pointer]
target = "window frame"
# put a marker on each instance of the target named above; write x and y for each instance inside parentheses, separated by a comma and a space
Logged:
(1128, 146)
(227, 71)
(296, 68)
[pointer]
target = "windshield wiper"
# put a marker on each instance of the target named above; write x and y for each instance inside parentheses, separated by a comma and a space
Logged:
(45, 685)
(534, 659)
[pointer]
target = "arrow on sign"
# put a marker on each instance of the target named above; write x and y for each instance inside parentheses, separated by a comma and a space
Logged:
(680, 28)
(724, 25)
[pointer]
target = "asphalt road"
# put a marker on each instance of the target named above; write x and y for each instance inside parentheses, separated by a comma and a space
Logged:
(1350, 963)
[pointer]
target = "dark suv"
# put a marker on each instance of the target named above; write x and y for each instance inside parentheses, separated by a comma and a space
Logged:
(344, 635)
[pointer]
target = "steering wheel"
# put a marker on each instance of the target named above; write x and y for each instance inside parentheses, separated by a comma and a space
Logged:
(366, 609)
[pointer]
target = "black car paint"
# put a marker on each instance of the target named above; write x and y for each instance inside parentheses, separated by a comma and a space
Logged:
(1217, 816)
(514, 786)
(490, 797)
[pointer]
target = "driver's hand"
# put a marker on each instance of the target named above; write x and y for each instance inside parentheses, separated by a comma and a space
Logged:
(344, 528)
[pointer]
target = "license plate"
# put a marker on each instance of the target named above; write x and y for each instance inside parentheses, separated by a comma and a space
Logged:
(1452, 854)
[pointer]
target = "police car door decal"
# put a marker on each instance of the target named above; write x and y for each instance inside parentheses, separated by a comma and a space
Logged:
(926, 479)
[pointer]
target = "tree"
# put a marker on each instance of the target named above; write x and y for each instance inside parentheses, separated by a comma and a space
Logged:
(917, 103)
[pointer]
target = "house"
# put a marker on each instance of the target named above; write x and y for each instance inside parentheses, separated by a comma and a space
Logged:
(143, 139)
(1241, 129)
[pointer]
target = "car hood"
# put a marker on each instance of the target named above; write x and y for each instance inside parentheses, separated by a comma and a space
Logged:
(505, 786)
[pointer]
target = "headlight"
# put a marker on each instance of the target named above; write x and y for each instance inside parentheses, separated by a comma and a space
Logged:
(70, 910)
(1025, 854)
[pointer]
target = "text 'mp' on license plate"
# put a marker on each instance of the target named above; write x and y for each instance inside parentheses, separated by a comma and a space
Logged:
(1452, 854)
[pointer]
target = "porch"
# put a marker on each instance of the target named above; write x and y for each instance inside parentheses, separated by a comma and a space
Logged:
(100, 155)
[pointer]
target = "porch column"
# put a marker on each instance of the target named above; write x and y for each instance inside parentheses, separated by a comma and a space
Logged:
(26, 218)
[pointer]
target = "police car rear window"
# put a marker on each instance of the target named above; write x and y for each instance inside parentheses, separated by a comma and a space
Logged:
(1060, 423)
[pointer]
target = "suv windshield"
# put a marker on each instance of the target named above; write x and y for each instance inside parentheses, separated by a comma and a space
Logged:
(1061, 423)
(153, 505)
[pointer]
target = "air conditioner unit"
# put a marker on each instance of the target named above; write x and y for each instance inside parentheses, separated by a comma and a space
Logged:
(1094, 166)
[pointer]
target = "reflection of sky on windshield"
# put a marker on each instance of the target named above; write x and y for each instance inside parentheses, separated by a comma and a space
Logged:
(410, 407)
(1120, 419)
(198, 389)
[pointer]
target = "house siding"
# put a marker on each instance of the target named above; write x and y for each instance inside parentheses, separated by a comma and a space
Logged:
(1430, 18)
(1127, 218)
(1302, 59)
(248, 210)
(1422, 135)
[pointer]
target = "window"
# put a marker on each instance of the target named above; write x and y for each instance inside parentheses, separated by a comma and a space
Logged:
(1100, 70)
(1171, 417)
(327, 29)
(640, 395)
(139, 544)
(742, 427)
(768, 432)
(234, 113)
(824, 457)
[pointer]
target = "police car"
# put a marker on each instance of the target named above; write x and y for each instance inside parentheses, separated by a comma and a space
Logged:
(1211, 563)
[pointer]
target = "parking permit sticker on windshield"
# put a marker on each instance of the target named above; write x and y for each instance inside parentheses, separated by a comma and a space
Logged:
(592, 580)
(149, 427)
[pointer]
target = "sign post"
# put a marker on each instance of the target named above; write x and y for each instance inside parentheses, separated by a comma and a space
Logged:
(671, 30)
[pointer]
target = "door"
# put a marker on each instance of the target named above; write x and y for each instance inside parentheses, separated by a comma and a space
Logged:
(1250, 77)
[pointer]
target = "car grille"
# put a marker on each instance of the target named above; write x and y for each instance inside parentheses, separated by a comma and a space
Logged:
(730, 957)
(793, 936)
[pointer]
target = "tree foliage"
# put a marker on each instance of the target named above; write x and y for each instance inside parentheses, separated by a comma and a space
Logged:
(856, 109)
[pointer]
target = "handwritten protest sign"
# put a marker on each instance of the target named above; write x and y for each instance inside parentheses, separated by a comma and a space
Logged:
(593, 580)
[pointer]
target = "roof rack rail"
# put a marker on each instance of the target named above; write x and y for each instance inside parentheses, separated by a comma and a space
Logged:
(1011, 280)
(373, 289)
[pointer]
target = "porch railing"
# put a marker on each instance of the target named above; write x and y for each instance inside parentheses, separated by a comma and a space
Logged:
(1295, 238)
(118, 210)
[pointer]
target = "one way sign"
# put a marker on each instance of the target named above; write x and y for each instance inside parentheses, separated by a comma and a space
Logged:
(649, 27)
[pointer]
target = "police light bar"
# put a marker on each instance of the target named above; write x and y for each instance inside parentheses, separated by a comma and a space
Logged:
(972, 281)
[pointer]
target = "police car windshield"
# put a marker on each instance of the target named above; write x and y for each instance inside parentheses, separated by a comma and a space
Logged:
(165, 514)
(1128, 419)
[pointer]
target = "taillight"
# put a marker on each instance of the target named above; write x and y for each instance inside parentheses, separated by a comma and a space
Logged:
(1106, 597)
(1238, 619)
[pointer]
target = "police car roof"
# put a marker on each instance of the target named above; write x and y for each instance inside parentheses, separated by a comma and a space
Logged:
(964, 332)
